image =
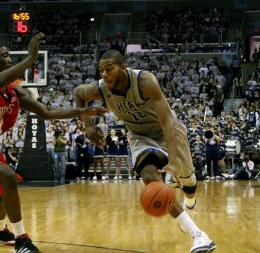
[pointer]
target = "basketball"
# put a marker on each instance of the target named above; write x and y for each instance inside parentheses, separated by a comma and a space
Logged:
(157, 199)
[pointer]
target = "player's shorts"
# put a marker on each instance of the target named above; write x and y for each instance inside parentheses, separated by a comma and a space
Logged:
(153, 151)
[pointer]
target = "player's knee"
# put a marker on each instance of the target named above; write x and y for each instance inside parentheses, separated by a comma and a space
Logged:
(149, 174)
(189, 189)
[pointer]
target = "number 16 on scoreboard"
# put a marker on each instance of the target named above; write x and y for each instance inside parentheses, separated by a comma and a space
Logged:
(21, 26)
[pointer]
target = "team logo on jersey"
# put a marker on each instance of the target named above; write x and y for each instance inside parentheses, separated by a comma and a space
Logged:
(3, 110)
(129, 107)
(6, 109)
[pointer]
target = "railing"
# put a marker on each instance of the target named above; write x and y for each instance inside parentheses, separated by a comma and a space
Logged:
(203, 38)
(147, 41)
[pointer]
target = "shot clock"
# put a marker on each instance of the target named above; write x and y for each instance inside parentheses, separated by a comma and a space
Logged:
(20, 21)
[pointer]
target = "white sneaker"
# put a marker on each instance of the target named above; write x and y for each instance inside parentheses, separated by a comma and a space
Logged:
(130, 177)
(115, 178)
(94, 178)
(120, 177)
(103, 178)
(202, 243)
(106, 176)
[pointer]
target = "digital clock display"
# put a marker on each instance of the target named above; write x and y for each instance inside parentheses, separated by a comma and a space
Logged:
(20, 16)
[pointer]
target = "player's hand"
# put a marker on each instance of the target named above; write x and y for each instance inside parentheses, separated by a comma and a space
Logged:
(95, 135)
(34, 44)
(169, 168)
(93, 111)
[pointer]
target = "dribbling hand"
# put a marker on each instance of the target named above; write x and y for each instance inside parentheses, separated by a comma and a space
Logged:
(171, 169)
(168, 168)
(34, 44)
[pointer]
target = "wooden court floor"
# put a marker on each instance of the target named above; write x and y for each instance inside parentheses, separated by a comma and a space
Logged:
(87, 217)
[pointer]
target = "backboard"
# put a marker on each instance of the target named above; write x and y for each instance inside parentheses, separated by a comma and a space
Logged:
(36, 75)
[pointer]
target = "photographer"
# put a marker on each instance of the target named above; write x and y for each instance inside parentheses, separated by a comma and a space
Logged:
(244, 168)
(59, 150)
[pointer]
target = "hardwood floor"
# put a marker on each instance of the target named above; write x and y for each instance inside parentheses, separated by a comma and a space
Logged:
(106, 217)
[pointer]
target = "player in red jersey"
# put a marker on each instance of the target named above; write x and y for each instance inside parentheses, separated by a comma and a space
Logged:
(12, 97)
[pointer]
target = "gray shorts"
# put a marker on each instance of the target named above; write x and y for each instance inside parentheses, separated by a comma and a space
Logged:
(141, 145)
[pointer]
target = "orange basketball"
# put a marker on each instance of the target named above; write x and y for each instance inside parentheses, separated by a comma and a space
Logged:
(157, 199)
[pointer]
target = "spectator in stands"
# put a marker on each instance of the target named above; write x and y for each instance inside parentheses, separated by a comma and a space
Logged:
(198, 154)
(59, 150)
(235, 66)
(212, 148)
(50, 142)
(254, 56)
(110, 119)
(252, 117)
(82, 156)
(98, 158)
(112, 153)
(123, 152)
(244, 168)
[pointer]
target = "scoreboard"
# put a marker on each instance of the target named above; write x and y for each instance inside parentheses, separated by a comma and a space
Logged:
(20, 21)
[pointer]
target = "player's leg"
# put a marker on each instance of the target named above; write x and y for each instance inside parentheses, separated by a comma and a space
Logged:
(148, 157)
(185, 168)
(13, 210)
(201, 242)
(6, 237)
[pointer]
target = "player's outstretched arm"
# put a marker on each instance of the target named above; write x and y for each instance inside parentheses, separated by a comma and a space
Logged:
(9, 75)
(150, 89)
(38, 108)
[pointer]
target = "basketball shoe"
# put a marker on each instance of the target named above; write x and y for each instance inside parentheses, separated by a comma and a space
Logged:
(202, 243)
(6, 237)
(23, 244)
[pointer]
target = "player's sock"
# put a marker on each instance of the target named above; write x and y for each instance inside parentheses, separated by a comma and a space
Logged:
(18, 228)
(189, 203)
(2, 224)
(187, 223)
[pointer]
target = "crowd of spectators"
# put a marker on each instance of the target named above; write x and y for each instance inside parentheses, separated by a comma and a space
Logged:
(194, 89)
(188, 25)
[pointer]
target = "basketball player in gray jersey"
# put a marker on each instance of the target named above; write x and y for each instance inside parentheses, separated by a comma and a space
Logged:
(158, 140)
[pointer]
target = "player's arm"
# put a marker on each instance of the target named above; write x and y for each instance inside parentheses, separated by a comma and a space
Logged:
(11, 74)
(150, 89)
(45, 112)
(83, 94)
